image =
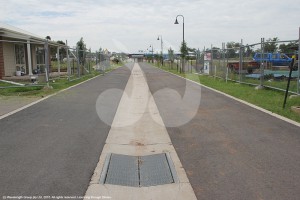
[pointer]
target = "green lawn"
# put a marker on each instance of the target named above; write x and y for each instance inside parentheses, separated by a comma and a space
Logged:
(268, 99)
(3, 84)
(57, 85)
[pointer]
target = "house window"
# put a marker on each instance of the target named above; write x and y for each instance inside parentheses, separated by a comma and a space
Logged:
(40, 56)
(20, 54)
(40, 59)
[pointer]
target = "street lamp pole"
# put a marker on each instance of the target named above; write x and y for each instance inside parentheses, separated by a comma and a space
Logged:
(162, 51)
(152, 52)
(176, 22)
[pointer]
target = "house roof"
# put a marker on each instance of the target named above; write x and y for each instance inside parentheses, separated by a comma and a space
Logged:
(20, 34)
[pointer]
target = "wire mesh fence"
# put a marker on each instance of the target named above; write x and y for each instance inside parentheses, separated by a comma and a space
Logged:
(264, 64)
(41, 61)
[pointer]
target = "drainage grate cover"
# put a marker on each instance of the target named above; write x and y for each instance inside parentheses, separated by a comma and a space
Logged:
(155, 170)
(123, 170)
(138, 171)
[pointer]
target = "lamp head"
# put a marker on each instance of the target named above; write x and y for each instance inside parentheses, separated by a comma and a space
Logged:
(176, 21)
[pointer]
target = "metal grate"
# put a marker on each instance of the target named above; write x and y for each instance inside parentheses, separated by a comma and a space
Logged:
(138, 171)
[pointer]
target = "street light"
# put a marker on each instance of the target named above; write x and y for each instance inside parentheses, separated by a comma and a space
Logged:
(161, 46)
(176, 22)
(152, 53)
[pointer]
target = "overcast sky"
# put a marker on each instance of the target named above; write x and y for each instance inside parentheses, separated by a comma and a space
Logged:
(133, 25)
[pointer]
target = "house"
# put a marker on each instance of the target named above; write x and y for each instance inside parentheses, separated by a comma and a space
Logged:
(21, 52)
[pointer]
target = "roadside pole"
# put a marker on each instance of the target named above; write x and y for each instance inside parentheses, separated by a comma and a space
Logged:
(47, 62)
(68, 61)
(78, 67)
(90, 61)
(224, 62)
(203, 58)
(211, 57)
(241, 61)
(298, 80)
(227, 60)
(58, 62)
(261, 62)
(215, 72)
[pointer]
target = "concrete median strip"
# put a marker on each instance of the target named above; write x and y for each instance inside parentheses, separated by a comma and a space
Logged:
(139, 139)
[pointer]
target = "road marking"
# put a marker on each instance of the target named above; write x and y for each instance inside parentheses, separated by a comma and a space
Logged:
(134, 132)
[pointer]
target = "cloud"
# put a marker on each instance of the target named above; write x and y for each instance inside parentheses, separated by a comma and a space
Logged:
(136, 24)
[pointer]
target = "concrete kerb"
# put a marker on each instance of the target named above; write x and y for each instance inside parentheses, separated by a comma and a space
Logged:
(40, 100)
(241, 101)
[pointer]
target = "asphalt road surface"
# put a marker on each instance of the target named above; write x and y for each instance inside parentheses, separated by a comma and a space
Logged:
(229, 150)
(52, 148)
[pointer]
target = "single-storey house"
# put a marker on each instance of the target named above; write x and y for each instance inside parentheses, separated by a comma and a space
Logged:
(21, 52)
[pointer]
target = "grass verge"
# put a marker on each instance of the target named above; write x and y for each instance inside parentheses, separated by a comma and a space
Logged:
(268, 99)
(57, 85)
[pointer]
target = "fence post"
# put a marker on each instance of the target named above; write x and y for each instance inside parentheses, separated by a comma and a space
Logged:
(298, 80)
(203, 59)
(262, 64)
(227, 61)
(58, 61)
(47, 62)
(241, 61)
(223, 58)
(78, 64)
(68, 61)
(212, 57)
(215, 72)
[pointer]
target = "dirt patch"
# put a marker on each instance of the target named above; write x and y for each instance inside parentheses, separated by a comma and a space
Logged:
(136, 143)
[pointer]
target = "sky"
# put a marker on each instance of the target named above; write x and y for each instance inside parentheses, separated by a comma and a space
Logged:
(133, 25)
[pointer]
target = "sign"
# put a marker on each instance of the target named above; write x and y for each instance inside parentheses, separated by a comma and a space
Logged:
(206, 67)
(207, 56)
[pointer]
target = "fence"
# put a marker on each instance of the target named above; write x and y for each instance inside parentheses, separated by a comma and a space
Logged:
(237, 63)
(23, 60)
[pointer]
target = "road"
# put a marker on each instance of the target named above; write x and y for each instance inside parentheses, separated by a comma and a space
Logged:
(228, 150)
(52, 148)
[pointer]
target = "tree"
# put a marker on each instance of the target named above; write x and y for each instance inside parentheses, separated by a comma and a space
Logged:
(171, 55)
(271, 45)
(216, 53)
(62, 51)
(184, 50)
(81, 48)
(249, 51)
(232, 48)
(288, 48)
(116, 60)
(156, 57)
(192, 49)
